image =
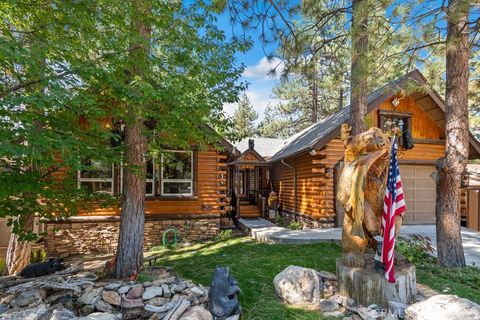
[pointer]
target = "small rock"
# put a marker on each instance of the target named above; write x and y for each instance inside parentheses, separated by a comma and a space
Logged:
(168, 280)
(86, 309)
(350, 302)
(62, 314)
(152, 292)
(111, 297)
(113, 286)
(335, 314)
(235, 317)
(124, 289)
(132, 303)
(26, 314)
(103, 306)
(3, 308)
(135, 292)
(102, 316)
(158, 301)
(90, 296)
(7, 299)
(446, 290)
(329, 305)
(179, 287)
(147, 284)
(197, 291)
(100, 284)
(31, 297)
(373, 307)
(166, 291)
(177, 311)
(419, 298)
(197, 313)
(397, 308)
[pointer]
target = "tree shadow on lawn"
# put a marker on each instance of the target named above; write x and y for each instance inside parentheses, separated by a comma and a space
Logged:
(254, 265)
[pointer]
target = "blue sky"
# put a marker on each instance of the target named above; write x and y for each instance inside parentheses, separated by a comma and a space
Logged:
(256, 69)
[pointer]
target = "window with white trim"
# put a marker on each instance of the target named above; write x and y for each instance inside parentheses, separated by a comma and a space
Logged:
(96, 177)
(176, 173)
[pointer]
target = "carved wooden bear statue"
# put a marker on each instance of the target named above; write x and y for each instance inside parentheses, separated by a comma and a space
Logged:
(361, 191)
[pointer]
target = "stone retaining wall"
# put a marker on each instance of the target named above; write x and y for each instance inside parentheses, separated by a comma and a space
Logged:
(100, 237)
(306, 222)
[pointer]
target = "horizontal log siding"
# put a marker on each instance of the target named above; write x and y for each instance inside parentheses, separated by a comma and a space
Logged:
(315, 185)
(211, 192)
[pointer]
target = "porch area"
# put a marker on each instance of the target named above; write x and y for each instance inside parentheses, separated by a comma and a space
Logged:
(248, 184)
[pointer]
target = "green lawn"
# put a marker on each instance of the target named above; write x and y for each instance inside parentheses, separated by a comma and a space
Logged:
(463, 282)
(255, 264)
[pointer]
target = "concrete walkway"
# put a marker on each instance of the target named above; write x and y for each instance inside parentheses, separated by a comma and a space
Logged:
(265, 231)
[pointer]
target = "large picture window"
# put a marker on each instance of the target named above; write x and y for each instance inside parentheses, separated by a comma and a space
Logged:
(176, 173)
(150, 179)
(97, 177)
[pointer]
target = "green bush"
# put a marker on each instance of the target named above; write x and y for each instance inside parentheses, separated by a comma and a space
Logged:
(281, 221)
(415, 248)
(294, 225)
(224, 235)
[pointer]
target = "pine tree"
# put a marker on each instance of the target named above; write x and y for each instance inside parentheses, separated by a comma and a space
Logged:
(452, 167)
(244, 119)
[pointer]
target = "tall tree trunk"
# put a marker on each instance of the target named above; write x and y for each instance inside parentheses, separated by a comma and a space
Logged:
(314, 102)
(132, 220)
(18, 251)
(359, 66)
(451, 168)
(130, 243)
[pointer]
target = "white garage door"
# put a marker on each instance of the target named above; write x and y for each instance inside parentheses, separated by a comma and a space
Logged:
(419, 189)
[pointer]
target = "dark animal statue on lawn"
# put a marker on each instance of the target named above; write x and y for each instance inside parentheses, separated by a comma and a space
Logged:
(50, 266)
(361, 191)
(223, 300)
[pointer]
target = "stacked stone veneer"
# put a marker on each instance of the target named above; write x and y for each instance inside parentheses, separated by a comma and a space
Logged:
(101, 237)
(307, 222)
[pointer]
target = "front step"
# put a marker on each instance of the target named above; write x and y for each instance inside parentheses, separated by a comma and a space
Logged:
(249, 211)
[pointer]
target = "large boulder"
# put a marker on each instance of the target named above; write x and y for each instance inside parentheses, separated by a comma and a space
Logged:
(299, 286)
(443, 307)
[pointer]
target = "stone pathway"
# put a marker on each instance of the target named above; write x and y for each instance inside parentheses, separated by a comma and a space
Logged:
(265, 231)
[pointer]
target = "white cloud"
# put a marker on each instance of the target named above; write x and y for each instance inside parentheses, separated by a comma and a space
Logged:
(261, 71)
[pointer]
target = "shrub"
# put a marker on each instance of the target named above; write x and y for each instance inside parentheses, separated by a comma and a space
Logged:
(294, 225)
(224, 235)
(281, 221)
(415, 248)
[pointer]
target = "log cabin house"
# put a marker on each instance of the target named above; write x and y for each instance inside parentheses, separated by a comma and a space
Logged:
(194, 191)
(303, 169)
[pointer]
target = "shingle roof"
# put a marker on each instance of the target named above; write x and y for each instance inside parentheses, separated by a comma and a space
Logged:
(266, 147)
(307, 138)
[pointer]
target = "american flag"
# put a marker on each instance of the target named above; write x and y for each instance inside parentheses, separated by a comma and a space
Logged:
(394, 204)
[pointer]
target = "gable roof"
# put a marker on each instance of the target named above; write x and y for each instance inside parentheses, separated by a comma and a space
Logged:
(266, 147)
(320, 133)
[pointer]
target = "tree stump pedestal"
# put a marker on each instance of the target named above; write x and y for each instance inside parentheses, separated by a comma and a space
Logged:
(366, 286)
